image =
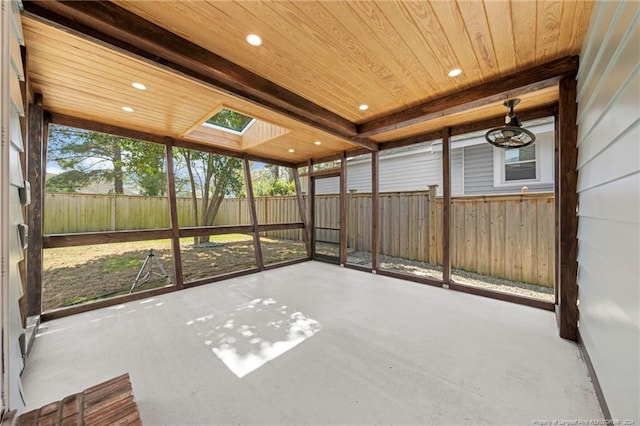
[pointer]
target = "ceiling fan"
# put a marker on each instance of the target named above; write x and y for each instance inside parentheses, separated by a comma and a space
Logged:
(512, 134)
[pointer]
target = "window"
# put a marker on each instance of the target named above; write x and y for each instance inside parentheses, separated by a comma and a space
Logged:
(520, 163)
(531, 165)
(229, 120)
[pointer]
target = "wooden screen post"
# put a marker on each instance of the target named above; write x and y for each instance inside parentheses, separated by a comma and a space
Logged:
(302, 210)
(36, 158)
(375, 212)
(567, 199)
(432, 216)
(343, 209)
(446, 205)
(310, 208)
(556, 204)
(254, 216)
(173, 218)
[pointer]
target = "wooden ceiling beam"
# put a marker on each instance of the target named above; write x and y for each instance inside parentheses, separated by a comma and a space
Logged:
(534, 113)
(519, 83)
(476, 126)
(114, 26)
(528, 114)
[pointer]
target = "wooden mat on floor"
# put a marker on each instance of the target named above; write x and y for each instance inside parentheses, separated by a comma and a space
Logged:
(109, 403)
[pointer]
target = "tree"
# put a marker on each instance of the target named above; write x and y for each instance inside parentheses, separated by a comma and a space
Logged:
(209, 179)
(273, 181)
(146, 162)
(69, 181)
(87, 157)
(230, 119)
(280, 173)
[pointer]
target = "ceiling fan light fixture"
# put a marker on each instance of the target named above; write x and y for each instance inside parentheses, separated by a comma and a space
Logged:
(512, 134)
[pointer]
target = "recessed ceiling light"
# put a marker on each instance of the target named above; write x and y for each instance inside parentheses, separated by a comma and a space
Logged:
(363, 107)
(455, 72)
(139, 86)
(318, 143)
(127, 109)
(292, 150)
(254, 40)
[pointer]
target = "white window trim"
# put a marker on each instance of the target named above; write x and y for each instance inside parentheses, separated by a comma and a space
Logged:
(544, 164)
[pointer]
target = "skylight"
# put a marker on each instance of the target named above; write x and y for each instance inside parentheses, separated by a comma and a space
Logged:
(229, 120)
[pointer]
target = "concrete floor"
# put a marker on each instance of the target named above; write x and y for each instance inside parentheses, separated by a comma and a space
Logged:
(317, 344)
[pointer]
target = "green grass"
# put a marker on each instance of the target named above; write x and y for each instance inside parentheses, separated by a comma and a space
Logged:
(120, 263)
(81, 274)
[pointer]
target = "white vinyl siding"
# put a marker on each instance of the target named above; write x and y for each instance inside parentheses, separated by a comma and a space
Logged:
(359, 176)
(480, 176)
(11, 180)
(609, 203)
(410, 171)
(472, 172)
(457, 172)
(478, 169)
(405, 171)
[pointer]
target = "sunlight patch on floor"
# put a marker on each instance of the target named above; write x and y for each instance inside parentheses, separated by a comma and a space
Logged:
(256, 333)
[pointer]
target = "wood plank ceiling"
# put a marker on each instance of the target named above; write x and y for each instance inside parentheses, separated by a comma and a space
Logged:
(390, 55)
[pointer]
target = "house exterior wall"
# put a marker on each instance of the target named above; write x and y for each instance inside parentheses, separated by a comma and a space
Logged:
(609, 203)
(359, 176)
(478, 176)
(480, 161)
(475, 169)
(457, 173)
(414, 171)
(401, 172)
(11, 180)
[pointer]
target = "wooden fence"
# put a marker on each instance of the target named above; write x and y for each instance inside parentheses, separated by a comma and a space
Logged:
(506, 236)
(73, 213)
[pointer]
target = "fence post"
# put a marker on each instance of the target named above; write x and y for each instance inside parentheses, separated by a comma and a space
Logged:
(433, 226)
(352, 220)
(112, 201)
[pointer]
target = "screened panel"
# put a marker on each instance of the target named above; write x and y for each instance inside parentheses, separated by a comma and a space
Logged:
(97, 182)
(281, 246)
(74, 275)
(411, 210)
(212, 255)
(359, 212)
(274, 190)
(326, 218)
(502, 229)
(210, 189)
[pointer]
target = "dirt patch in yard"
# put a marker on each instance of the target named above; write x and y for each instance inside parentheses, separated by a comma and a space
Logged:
(73, 275)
